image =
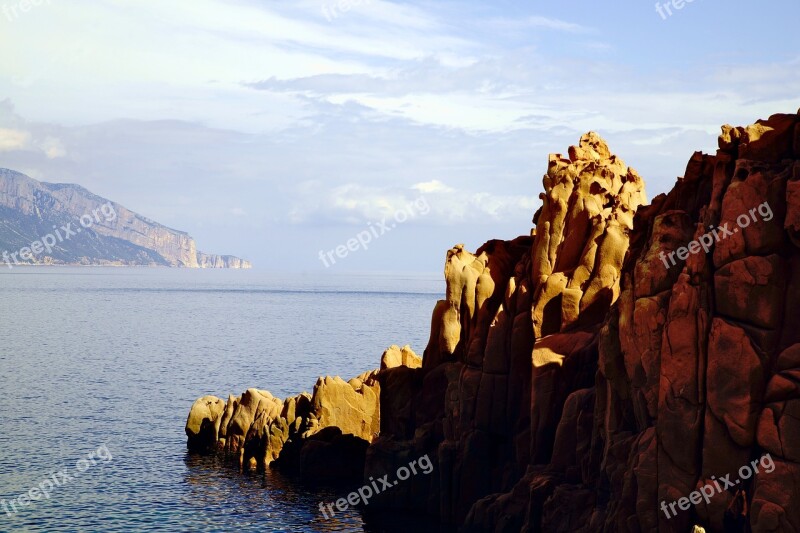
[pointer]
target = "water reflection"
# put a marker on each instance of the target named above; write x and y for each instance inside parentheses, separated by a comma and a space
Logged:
(266, 500)
(276, 500)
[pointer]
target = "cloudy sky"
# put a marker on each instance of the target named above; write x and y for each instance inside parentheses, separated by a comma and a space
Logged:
(274, 130)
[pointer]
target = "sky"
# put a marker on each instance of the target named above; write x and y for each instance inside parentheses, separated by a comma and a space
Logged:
(278, 131)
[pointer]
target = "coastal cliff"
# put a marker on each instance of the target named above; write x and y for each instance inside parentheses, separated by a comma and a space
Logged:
(30, 209)
(583, 378)
(205, 260)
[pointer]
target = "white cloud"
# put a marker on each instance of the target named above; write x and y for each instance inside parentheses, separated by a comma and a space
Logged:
(11, 139)
(52, 147)
(275, 118)
(464, 206)
(431, 186)
(358, 204)
(535, 21)
(15, 139)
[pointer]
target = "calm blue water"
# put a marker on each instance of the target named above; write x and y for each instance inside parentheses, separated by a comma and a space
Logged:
(115, 357)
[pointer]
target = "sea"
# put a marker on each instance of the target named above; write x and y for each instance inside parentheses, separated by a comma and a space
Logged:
(100, 366)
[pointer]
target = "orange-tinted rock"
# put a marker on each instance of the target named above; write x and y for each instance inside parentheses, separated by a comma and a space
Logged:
(202, 425)
(351, 406)
(774, 503)
(582, 235)
(573, 381)
(751, 290)
(395, 356)
(769, 140)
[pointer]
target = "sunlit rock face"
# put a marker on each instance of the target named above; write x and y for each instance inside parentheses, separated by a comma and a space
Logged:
(620, 356)
(517, 334)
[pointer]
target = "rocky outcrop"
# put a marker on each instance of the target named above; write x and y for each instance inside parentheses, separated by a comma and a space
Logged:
(324, 433)
(205, 260)
(585, 377)
(501, 391)
(394, 356)
(109, 235)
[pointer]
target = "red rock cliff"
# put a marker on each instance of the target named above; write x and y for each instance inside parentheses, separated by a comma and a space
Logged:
(576, 379)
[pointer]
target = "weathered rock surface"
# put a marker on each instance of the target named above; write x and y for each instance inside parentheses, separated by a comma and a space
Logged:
(395, 356)
(577, 378)
(325, 433)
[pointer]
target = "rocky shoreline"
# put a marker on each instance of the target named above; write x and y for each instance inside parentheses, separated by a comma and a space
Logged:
(573, 382)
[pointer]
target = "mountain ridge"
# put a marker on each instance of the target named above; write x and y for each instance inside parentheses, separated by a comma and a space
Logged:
(31, 212)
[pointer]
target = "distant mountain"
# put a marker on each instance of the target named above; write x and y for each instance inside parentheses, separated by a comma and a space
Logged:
(58, 223)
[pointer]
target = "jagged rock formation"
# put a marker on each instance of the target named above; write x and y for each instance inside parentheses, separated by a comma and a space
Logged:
(395, 356)
(495, 396)
(205, 260)
(29, 210)
(576, 379)
(308, 432)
